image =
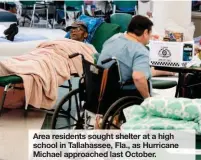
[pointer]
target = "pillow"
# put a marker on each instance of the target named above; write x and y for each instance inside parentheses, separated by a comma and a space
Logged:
(92, 24)
(174, 108)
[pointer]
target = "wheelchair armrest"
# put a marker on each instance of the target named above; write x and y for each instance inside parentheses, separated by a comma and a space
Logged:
(128, 82)
(106, 60)
(74, 55)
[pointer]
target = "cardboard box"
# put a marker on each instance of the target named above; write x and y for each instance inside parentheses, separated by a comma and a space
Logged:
(174, 36)
(171, 54)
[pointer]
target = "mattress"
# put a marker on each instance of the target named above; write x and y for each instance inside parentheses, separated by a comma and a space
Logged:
(29, 39)
(24, 38)
(20, 37)
(16, 49)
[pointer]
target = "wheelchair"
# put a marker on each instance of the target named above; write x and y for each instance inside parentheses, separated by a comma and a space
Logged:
(99, 92)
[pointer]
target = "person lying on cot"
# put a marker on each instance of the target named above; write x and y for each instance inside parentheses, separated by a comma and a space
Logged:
(78, 32)
(48, 66)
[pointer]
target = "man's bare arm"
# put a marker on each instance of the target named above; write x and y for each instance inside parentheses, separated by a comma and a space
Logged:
(141, 84)
(156, 73)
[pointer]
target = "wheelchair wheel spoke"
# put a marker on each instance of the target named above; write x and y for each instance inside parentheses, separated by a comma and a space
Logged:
(67, 127)
(65, 116)
(73, 125)
(113, 125)
(77, 106)
(69, 106)
(114, 117)
(73, 118)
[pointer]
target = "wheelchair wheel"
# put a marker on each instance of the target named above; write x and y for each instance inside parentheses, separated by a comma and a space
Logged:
(66, 117)
(114, 118)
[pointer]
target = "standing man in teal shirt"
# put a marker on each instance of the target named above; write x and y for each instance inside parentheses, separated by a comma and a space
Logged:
(132, 55)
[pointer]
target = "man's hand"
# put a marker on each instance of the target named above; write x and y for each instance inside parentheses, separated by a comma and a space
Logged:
(141, 84)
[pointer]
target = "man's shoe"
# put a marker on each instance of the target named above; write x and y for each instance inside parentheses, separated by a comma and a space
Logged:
(11, 32)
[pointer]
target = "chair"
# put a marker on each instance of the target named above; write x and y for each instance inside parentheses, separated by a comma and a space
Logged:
(163, 84)
(76, 5)
(121, 19)
(34, 5)
(103, 33)
(58, 6)
(124, 6)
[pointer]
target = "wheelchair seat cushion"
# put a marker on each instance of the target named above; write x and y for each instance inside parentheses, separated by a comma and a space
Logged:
(5, 80)
(163, 84)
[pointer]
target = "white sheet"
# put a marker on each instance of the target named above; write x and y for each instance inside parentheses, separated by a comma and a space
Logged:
(19, 48)
(2, 29)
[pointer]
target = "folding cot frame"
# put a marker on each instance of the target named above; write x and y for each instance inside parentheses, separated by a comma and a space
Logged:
(9, 82)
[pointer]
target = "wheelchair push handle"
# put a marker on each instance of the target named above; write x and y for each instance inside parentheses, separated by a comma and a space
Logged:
(74, 55)
(107, 60)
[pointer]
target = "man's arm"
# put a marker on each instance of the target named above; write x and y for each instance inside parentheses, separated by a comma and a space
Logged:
(156, 73)
(141, 83)
(141, 72)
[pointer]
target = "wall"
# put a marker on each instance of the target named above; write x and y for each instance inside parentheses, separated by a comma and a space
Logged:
(196, 18)
(178, 11)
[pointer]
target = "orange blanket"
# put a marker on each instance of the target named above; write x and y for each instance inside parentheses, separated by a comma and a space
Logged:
(46, 68)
